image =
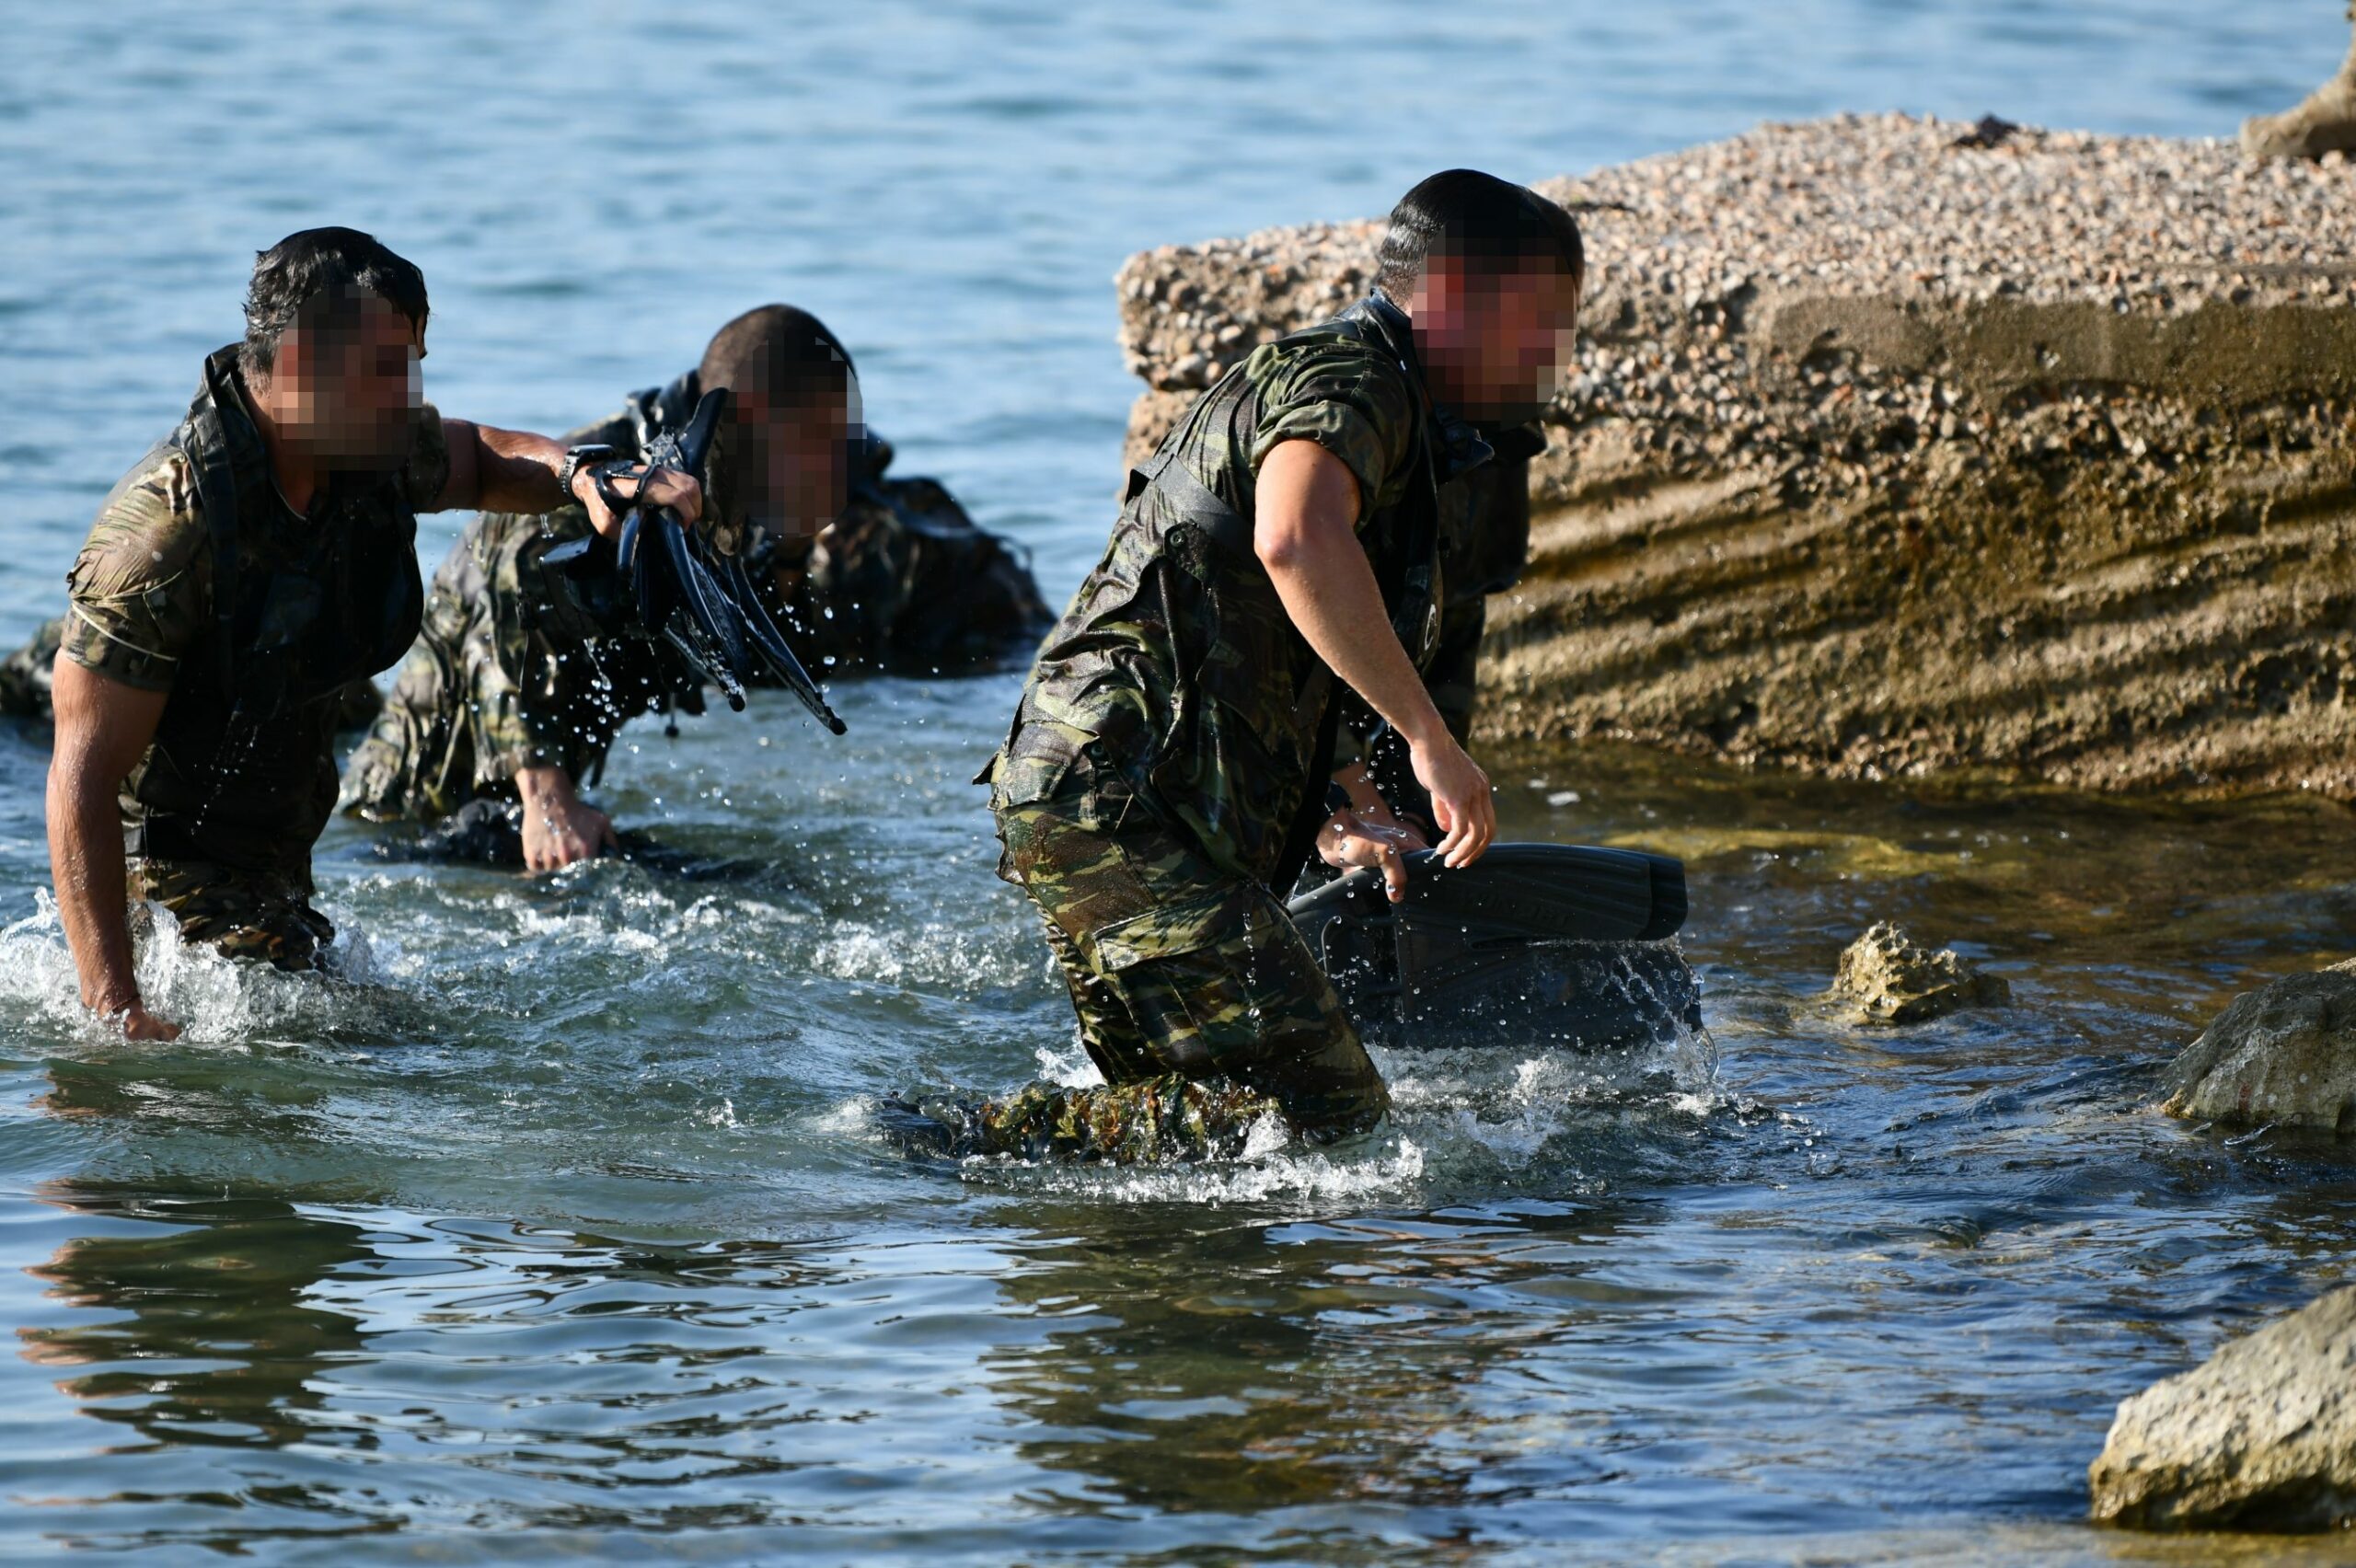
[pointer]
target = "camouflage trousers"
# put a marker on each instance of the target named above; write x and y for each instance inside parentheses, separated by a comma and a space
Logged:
(1193, 992)
(244, 914)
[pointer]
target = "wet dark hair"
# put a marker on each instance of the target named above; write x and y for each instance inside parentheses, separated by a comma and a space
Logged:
(322, 274)
(1462, 212)
(787, 353)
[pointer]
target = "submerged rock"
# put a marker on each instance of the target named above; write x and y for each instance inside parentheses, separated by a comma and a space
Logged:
(1887, 977)
(1896, 446)
(2261, 1437)
(2284, 1053)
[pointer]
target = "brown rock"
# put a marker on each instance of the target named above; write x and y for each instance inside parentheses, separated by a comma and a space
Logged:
(1886, 977)
(2261, 1437)
(2283, 1055)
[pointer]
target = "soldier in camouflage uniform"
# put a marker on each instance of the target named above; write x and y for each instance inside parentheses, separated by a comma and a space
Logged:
(1165, 776)
(504, 709)
(237, 579)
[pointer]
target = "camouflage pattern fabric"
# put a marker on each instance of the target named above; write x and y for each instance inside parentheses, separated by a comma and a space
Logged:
(1174, 966)
(488, 689)
(905, 581)
(1171, 1119)
(244, 914)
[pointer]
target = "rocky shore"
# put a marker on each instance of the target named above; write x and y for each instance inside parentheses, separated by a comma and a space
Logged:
(2261, 1437)
(1901, 446)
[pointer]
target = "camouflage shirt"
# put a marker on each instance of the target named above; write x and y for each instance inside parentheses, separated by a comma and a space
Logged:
(1176, 663)
(242, 770)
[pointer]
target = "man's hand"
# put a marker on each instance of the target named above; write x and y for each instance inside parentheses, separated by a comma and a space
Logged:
(1462, 805)
(1348, 839)
(662, 487)
(557, 828)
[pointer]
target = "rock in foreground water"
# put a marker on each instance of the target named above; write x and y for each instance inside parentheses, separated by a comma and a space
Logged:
(2262, 1437)
(2284, 1053)
(1900, 445)
(1886, 977)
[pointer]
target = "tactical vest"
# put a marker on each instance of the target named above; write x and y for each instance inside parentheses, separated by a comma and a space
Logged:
(242, 769)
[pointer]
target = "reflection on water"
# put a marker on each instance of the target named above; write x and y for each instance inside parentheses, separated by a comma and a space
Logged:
(196, 1330)
(556, 1226)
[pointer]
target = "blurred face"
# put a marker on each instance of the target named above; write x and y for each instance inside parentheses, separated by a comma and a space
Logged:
(1496, 339)
(346, 388)
(794, 464)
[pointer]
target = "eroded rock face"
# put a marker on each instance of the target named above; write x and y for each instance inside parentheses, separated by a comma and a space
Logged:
(2262, 1437)
(1897, 449)
(1887, 977)
(2283, 1055)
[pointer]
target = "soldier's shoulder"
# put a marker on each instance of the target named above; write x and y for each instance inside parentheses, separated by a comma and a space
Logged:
(150, 529)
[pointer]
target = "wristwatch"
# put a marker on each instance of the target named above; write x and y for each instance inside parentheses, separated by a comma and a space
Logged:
(577, 458)
(1337, 799)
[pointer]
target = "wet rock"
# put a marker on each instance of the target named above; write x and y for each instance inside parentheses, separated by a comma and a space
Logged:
(1887, 977)
(2261, 1437)
(2034, 455)
(2285, 1055)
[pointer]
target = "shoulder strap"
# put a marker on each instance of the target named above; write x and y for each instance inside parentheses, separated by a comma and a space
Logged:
(200, 441)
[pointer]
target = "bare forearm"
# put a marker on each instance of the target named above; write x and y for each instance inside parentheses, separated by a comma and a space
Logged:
(86, 860)
(1328, 589)
(503, 470)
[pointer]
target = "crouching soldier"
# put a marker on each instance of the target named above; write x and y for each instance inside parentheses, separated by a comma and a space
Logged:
(238, 578)
(1170, 765)
(507, 706)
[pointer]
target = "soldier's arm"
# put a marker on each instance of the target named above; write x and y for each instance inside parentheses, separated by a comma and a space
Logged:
(103, 728)
(511, 470)
(1304, 531)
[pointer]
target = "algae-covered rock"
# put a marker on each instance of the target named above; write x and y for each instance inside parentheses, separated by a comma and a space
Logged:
(2285, 1055)
(1887, 977)
(2261, 1437)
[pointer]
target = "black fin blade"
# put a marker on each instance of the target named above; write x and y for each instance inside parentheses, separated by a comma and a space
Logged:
(777, 651)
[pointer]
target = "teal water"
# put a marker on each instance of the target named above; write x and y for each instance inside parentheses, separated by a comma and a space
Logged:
(557, 1229)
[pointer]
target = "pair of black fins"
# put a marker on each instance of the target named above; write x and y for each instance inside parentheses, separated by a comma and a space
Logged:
(1533, 943)
(677, 588)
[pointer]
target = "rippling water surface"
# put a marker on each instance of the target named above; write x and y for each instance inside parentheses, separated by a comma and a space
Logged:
(557, 1228)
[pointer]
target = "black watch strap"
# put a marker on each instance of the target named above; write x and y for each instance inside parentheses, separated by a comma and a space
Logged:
(1337, 799)
(577, 458)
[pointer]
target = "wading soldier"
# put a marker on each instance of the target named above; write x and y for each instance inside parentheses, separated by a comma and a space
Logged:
(1168, 769)
(507, 706)
(247, 569)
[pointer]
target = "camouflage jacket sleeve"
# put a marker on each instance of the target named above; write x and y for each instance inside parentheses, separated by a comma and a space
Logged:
(533, 696)
(1349, 400)
(141, 592)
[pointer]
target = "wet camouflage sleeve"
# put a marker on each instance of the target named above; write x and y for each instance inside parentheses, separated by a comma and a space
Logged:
(141, 592)
(1339, 395)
